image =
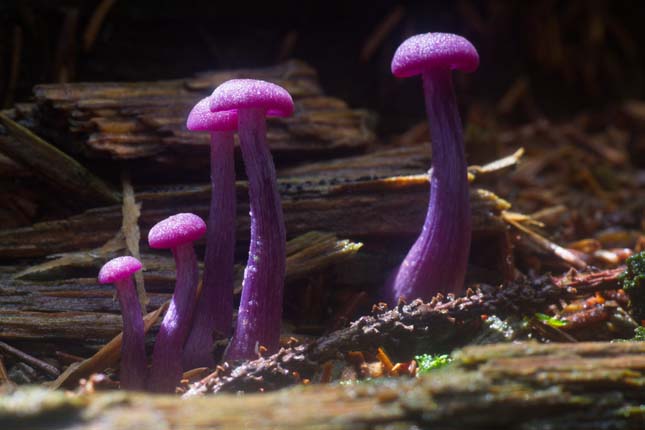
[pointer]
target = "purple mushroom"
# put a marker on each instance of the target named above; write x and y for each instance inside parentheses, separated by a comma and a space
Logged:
(260, 313)
(118, 271)
(214, 311)
(178, 233)
(437, 260)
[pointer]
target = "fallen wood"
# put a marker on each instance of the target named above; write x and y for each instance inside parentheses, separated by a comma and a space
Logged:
(380, 162)
(146, 120)
(80, 309)
(357, 209)
(53, 165)
(510, 386)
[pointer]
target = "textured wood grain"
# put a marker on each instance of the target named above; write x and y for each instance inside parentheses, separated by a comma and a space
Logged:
(510, 386)
(357, 209)
(146, 120)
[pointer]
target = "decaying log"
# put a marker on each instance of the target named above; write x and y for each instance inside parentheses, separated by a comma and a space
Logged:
(147, 119)
(141, 127)
(80, 309)
(377, 163)
(502, 386)
(356, 209)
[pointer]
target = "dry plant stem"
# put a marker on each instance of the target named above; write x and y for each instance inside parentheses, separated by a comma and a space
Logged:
(30, 360)
(260, 312)
(214, 309)
(133, 358)
(437, 261)
(54, 166)
(167, 354)
(131, 211)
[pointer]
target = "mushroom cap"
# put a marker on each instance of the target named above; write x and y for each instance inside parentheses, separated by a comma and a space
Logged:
(176, 230)
(252, 94)
(201, 118)
(118, 268)
(428, 51)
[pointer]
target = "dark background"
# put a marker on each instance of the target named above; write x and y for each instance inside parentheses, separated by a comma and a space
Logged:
(566, 55)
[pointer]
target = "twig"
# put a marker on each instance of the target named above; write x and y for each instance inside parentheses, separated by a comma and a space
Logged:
(54, 165)
(4, 376)
(95, 23)
(16, 56)
(68, 358)
(66, 53)
(287, 45)
(381, 32)
(587, 282)
(30, 360)
(131, 211)
(563, 253)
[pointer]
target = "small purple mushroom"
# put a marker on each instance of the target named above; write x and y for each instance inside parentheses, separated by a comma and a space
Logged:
(118, 271)
(178, 233)
(437, 260)
(260, 313)
(214, 311)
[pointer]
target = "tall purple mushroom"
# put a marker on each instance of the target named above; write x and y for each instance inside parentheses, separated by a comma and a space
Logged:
(118, 271)
(260, 312)
(178, 233)
(214, 311)
(437, 260)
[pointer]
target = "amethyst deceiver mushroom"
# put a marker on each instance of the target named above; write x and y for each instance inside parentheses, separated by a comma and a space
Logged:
(214, 310)
(260, 312)
(118, 271)
(177, 233)
(437, 260)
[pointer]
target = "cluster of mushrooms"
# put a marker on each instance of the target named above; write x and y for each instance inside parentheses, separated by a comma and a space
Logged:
(435, 263)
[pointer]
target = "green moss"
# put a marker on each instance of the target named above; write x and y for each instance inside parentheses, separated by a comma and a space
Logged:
(428, 362)
(356, 381)
(549, 320)
(639, 336)
(633, 282)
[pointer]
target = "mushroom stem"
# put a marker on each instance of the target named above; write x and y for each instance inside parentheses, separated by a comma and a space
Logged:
(437, 261)
(260, 312)
(214, 311)
(167, 368)
(133, 352)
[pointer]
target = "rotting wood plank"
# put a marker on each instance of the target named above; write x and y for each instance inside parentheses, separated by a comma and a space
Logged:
(357, 210)
(53, 309)
(146, 120)
(513, 386)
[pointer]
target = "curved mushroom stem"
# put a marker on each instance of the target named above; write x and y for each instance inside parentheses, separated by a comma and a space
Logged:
(167, 369)
(133, 350)
(214, 311)
(437, 261)
(260, 313)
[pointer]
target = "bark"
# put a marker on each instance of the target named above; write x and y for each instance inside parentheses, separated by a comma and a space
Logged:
(81, 311)
(146, 120)
(501, 386)
(359, 209)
